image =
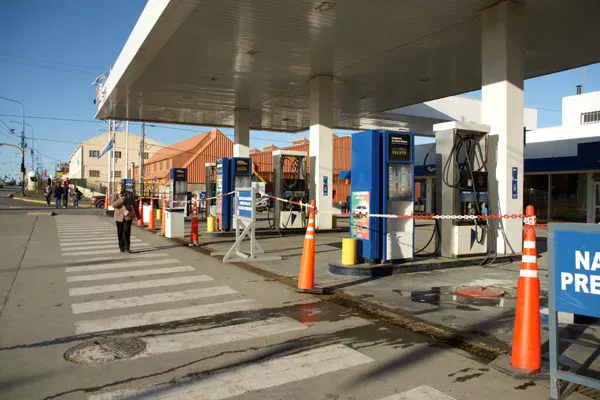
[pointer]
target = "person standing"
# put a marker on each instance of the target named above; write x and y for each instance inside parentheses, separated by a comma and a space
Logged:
(76, 197)
(48, 193)
(65, 195)
(122, 202)
(57, 193)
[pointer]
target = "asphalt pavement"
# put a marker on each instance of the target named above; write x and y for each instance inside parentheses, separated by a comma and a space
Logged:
(84, 321)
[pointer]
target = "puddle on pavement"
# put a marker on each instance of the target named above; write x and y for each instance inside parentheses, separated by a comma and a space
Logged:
(445, 297)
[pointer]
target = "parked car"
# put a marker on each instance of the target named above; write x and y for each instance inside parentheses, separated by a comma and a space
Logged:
(360, 210)
(98, 201)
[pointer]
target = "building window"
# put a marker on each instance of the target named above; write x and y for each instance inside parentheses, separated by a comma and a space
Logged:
(161, 165)
(536, 194)
(117, 174)
(590, 117)
(146, 156)
(94, 173)
(94, 153)
(567, 199)
(117, 154)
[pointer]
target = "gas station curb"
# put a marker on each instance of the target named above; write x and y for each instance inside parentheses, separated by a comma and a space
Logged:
(367, 270)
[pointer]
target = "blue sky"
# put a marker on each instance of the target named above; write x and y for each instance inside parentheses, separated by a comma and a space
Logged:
(51, 51)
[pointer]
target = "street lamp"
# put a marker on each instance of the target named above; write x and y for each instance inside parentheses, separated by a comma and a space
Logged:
(22, 143)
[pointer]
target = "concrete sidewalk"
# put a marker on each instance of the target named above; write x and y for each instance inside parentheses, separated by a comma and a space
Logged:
(85, 321)
(428, 296)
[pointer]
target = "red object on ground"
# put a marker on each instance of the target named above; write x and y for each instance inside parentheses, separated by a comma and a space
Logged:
(527, 346)
(194, 230)
(106, 201)
(306, 279)
(141, 208)
(152, 221)
(480, 292)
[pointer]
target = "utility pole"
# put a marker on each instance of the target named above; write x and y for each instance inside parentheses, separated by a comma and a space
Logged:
(108, 180)
(127, 150)
(22, 143)
(114, 156)
(142, 147)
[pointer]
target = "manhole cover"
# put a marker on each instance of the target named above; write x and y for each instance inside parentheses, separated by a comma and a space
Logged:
(480, 292)
(105, 350)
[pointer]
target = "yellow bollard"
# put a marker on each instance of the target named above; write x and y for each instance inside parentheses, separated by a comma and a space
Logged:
(348, 251)
(158, 213)
(210, 224)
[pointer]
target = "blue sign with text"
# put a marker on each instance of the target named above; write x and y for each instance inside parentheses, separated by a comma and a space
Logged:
(244, 204)
(576, 257)
(515, 183)
(128, 184)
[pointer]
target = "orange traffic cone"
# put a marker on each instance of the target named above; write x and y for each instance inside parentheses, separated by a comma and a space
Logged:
(106, 200)
(306, 280)
(163, 215)
(141, 208)
(194, 228)
(152, 219)
(526, 346)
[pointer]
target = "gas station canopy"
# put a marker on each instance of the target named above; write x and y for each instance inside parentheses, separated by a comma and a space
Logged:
(195, 62)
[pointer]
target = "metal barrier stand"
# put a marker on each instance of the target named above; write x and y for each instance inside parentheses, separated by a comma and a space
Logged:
(245, 217)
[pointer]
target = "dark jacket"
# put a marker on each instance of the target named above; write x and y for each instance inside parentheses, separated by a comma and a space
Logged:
(57, 192)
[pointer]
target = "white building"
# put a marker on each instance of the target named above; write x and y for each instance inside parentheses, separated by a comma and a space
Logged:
(562, 163)
(92, 172)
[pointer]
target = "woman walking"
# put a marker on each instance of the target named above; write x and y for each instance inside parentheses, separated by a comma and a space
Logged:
(76, 197)
(122, 202)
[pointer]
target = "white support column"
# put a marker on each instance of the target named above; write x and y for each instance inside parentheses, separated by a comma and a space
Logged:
(241, 146)
(321, 148)
(502, 109)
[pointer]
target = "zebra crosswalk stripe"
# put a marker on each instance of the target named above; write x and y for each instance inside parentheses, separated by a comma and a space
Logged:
(117, 265)
(92, 306)
(127, 274)
(118, 287)
(160, 317)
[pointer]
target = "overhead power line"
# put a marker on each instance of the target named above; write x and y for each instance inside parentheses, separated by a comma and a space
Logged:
(52, 62)
(197, 131)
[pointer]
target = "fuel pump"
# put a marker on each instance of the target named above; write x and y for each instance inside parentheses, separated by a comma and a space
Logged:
(461, 171)
(382, 183)
(290, 183)
(231, 173)
(176, 203)
(211, 189)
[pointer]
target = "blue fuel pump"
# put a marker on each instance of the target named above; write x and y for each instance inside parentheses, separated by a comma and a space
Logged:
(382, 183)
(232, 173)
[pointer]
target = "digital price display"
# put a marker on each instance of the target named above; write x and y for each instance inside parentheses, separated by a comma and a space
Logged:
(242, 166)
(400, 147)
